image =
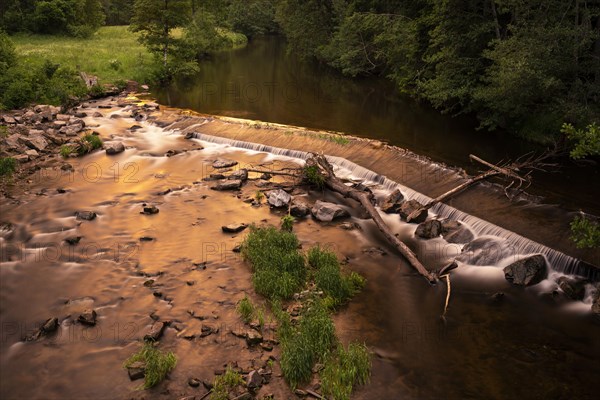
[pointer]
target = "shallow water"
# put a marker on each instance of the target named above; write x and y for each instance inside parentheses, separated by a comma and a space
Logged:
(482, 350)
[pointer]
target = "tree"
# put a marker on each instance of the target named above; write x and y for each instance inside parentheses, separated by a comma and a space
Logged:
(156, 20)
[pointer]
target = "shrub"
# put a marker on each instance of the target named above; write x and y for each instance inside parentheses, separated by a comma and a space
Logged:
(313, 176)
(279, 268)
(88, 143)
(259, 196)
(585, 233)
(345, 369)
(225, 383)
(8, 166)
(66, 150)
(158, 364)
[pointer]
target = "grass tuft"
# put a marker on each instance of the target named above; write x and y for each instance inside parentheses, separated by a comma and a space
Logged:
(225, 383)
(88, 143)
(158, 364)
(246, 309)
(344, 369)
(313, 176)
(287, 223)
(8, 166)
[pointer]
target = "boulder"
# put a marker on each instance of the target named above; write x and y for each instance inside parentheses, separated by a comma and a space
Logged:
(226, 184)
(573, 288)
(7, 119)
(223, 163)
(233, 228)
(299, 209)
(455, 232)
(156, 332)
(392, 203)
(115, 148)
(407, 208)
(36, 142)
(137, 370)
(253, 337)
(241, 174)
(279, 198)
(85, 215)
(32, 153)
(485, 251)
(327, 212)
(254, 380)
(528, 271)
(88, 317)
(429, 229)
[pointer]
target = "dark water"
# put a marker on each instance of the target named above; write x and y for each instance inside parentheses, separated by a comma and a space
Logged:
(262, 82)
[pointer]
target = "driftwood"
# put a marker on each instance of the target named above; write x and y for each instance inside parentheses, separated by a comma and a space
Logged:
(366, 200)
(508, 170)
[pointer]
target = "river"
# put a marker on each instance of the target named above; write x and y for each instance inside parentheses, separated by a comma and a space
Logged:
(263, 82)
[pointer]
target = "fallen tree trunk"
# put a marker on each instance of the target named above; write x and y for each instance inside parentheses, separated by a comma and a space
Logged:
(365, 199)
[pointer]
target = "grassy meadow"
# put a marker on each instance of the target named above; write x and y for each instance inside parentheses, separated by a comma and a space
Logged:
(112, 53)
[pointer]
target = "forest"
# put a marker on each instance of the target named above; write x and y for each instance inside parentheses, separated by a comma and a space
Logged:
(525, 67)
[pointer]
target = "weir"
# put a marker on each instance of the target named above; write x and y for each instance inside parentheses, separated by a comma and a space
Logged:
(510, 244)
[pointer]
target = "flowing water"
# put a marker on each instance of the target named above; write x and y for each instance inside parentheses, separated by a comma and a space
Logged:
(520, 347)
(262, 82)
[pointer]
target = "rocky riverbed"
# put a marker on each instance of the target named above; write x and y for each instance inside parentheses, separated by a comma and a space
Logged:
(141, 237)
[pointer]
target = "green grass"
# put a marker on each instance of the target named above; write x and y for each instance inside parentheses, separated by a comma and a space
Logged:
(329, 278)
(66, 150)
(3, 131)
(287, 223)
(246, 309)
(158, 364)
(339, 139)
(8, 166)
(259, 196)
(88, 143)
(313, 176)
(585, 232)
(344, 369)
(225, 383)
(113, 53)
(279, 267)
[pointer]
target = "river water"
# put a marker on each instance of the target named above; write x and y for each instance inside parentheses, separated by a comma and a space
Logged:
(263, 82)
(520, 347)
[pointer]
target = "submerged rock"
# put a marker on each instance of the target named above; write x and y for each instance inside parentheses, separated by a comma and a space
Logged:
(149, 210)
(408, 207)
(73, 240)
(241, 174)
(233, 228)
(327, 212)
(88, 317)
(392, 203)
(573, 288)
(115, 148)
(279, 198)
(222, 163)
(429, 229)
(85, 215)
(234, 184)
(528, 271)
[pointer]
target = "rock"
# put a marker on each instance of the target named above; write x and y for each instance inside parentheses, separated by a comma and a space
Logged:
(7, 119)
(243, 396)
(234, 184)
(574, 288)
(88, 317)
(350, 226)
(301, 393)
(237, 248)
(85, 215)
(36, 142)
(149, 210)
(299, 209)
(528, 271)
(279, 198)
(241, 174)
(146, 239)
(51, 325)
(455, 232)
(429, 229)
(254, 380)
(63, 117)
(233, 228)
(214, 177)
(156, 332)
(407, 208)
(327, 212)
(115, 148)
(21, 158)
(32, 153)
(137, 370)
(97, 115)
(193, 382)
(73, 240)
(485, 251)
(596, 304)
(253, 337)
(59, 124)
(392, 203)
(222, 163)
(266, 346)
(497, 297)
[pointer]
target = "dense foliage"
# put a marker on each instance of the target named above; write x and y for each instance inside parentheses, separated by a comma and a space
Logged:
(525, 66)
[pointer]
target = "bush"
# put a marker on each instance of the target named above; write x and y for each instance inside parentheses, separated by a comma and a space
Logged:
(8, 57)
(345, 369)
(8, 166)
(279, 268)
(585, 233)
(313, 176)
(158, 364)
(287, 223)
(88, 143)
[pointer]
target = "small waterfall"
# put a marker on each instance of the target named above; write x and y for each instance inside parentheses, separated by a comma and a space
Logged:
(510, 243)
